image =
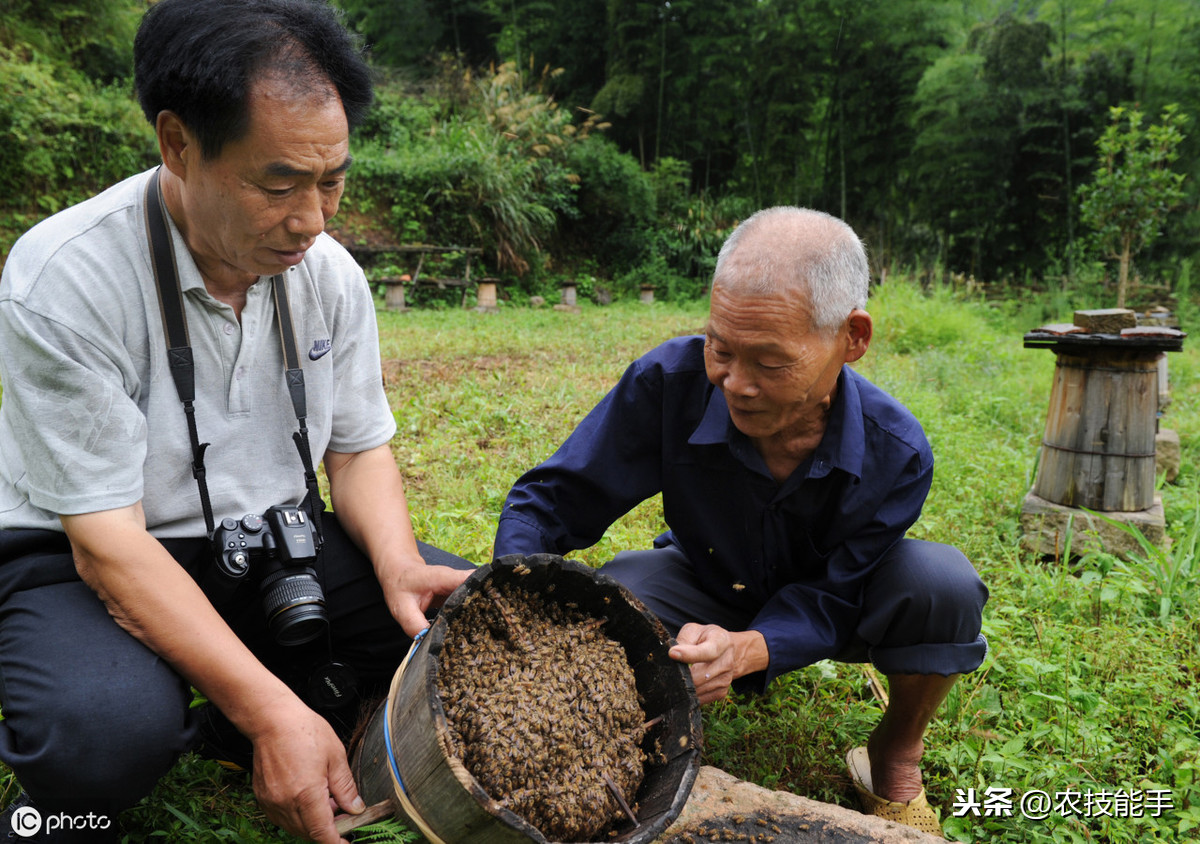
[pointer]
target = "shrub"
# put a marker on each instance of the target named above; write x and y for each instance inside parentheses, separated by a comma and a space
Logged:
(614, 206)
(496, 174)
(62, 136)
(458, 185)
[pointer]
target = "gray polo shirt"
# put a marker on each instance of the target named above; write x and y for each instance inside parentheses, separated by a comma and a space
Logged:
(89, 417)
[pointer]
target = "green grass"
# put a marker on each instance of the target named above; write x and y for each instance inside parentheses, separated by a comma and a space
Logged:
(1089, 684)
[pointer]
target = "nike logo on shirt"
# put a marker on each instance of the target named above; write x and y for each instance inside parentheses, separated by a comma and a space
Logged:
(319, 349)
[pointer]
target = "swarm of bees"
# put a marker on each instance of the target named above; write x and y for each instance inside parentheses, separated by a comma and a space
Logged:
(543, 711)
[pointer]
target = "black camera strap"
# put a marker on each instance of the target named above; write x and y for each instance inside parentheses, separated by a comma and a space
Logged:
(294, 377)
(183, 369)
(179, 347)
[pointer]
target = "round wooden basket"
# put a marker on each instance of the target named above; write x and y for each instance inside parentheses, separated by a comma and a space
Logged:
(405, 753)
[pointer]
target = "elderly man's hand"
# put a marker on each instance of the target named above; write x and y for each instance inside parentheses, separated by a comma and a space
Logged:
(301, 775)
(718, 657)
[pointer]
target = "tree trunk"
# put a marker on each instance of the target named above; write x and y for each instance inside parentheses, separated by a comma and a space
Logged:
(1123, 272)
(662, 86)
(1066, 134)
(842, 153)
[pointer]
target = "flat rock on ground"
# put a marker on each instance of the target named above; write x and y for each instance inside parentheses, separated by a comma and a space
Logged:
(723, 808)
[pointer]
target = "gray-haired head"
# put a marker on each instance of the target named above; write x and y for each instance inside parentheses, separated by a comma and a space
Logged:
(784, 249)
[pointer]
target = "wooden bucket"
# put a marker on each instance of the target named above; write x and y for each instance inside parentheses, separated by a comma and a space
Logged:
(405, 752)
(1098, 451)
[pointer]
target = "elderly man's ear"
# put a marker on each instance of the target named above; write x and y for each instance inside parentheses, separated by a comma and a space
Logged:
(859, 327)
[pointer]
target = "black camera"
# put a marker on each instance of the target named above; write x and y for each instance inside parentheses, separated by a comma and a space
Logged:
(280, 548)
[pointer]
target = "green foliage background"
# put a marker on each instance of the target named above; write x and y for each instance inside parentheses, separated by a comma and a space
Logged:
(618, 140)
(953, 134)
(68, 123)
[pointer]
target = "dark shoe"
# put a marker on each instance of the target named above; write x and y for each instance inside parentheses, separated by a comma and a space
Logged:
(221, 742)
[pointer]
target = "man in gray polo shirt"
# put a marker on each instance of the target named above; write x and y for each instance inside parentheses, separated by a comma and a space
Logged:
(103, 627)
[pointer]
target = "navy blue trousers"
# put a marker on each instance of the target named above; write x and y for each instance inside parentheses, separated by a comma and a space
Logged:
(93, 718)
(922, 608)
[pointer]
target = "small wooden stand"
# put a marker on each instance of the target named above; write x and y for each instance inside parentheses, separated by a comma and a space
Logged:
(1098, 452)
(647, 294)
(395, 298)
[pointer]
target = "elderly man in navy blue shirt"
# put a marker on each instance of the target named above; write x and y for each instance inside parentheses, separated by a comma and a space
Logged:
(788, 482)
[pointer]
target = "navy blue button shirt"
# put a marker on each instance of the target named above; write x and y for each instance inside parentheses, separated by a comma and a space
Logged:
(798, 552)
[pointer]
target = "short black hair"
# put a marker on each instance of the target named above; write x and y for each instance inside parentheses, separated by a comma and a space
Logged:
(199, 58)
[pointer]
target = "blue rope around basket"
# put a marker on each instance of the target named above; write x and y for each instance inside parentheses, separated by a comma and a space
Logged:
(387, 715)
(401, 791)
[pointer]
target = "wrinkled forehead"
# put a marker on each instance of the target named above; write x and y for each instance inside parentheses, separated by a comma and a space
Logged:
(775, 315)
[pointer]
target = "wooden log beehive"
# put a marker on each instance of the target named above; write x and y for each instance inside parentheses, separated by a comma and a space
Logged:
(644, 746)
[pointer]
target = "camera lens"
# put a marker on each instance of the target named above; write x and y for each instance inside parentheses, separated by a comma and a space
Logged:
(294, 605)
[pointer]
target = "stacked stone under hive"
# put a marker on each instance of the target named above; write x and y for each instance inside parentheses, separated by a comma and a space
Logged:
(543, 711)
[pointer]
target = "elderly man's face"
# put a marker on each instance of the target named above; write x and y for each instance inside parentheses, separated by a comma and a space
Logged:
(776, 376)
(261, 203)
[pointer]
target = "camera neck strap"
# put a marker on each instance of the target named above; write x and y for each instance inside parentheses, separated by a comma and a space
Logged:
(182, 363)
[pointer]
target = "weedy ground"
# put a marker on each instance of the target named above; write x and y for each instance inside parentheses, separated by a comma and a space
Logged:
(1092, 684)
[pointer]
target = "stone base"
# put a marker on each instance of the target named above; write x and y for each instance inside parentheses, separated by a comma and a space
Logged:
(1167, 454)
(724, 808)
(1045, 524)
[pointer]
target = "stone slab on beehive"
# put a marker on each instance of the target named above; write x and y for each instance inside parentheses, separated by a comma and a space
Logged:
(1061, 328)
(723, 806)
(1045, 528)
(1106, 320)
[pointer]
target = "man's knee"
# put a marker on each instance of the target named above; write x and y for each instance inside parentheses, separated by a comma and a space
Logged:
(101, 748)
(930, 587)
(91, 714)
(640, 570)
(664, 581)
